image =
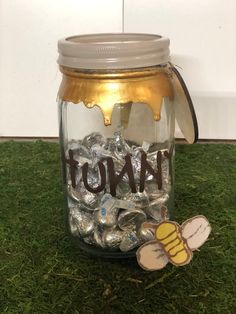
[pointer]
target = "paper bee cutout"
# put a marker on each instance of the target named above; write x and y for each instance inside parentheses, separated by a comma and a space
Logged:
(173, 243)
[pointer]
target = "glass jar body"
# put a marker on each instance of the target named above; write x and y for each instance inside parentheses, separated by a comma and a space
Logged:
(116, 176)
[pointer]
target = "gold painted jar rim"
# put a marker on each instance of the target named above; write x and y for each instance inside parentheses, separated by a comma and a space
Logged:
(106, 89)
(128, 73)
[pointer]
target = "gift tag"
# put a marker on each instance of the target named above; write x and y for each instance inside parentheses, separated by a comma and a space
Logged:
(184, 110)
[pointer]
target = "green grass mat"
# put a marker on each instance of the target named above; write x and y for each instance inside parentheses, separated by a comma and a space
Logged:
(42, 272)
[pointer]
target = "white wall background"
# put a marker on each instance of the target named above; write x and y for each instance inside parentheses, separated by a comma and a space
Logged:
(203, 44)
(29, 75)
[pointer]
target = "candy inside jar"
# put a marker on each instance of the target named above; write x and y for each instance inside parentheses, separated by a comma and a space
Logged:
(109, 215)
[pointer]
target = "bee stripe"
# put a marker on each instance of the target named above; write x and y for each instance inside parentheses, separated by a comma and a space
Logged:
(163, 239)
(168, 234)
(176, 253)
(169, 239)
(172, 244)
(176, 248)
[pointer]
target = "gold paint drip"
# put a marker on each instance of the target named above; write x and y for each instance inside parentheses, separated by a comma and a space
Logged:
(104, 90)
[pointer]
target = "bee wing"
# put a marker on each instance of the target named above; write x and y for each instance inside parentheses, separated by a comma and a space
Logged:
(150, 256)
(196, 231)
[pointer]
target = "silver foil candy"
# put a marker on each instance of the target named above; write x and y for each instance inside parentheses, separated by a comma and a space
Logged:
(136, 164)
(151, 188)
(118, 165)
(105, 198)
(81, 195)
(93, 177)
(93, 138)
(166, 179)
(77, 177)
(160, 200)
(120, 142)
(81, 221)
(122, 189)
(98, 237)
(110, 222)
(140, 199)
(82, 206)
(121, 147)
(145, 146)
(145, 234)
(129, 241)
(109, 145)
(80, 153)
(73, 226)
(152, 156)
(89, 240)
(158, 212)
(112, 238)
(124, 204)
(152, 159)
(106, 214)
(130, 219)
(98, 152)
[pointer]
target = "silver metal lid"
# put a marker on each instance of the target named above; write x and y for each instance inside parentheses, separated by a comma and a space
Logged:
(113, 51)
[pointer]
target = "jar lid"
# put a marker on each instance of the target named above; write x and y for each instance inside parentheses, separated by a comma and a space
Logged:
(113, 51)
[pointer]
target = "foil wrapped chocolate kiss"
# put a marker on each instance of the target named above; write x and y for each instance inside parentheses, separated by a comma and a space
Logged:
(106, 215)
(111, 216)
(81, 223)
(131, 219)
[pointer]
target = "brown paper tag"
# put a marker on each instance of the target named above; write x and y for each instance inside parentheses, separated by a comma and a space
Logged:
(184, 110)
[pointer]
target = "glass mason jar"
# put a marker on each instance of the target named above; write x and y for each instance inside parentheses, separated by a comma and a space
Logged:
(117, 106)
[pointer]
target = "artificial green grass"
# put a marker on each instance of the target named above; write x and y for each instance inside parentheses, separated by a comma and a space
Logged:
(42, 272)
